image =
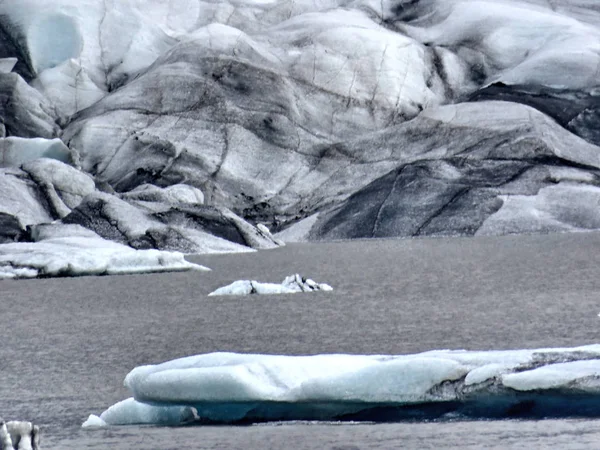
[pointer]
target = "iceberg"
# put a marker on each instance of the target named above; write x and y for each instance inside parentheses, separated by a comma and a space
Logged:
(233, 388)
(290, 285)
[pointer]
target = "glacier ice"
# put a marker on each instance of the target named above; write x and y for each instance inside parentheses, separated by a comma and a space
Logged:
(43, 189)
(5, 438)
(46, 199)
(130, 412)
(243, 388)
(175, 194)
(26, 112)
(21, 198)
(64, 186)
(517, 42)
(15, 151)
(69, 87)
(93, 421)
(566, 206)
(53, 38)
(290, 285)
(108, 42)
(61, 250)
(7, 64)
(174, 222)
(327, 119)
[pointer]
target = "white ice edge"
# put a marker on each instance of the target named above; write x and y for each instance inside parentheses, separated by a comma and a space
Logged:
(85, 255)
(224, 387)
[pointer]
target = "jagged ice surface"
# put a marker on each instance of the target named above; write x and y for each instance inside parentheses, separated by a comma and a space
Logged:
(198, 121)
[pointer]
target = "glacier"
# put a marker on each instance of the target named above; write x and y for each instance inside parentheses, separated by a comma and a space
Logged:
(192, 126)
(233, 388)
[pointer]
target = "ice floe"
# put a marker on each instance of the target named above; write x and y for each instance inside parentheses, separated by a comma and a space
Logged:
(62, 250)
(243, 388)
(290, 285)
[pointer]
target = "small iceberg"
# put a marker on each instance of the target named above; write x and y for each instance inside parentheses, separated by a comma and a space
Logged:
(231, 388)
(290, 285)
(94, 421)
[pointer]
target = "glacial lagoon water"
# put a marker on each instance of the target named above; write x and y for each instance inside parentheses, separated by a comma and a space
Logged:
(68, 343)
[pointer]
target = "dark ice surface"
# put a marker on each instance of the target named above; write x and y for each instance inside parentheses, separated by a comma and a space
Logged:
(68, 343)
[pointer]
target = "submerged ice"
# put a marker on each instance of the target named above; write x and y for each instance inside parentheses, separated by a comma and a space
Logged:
(244, 388)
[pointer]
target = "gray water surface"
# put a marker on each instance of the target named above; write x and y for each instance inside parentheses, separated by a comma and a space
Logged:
(68, 343)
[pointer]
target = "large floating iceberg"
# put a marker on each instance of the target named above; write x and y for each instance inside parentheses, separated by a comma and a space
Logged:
(246, 388)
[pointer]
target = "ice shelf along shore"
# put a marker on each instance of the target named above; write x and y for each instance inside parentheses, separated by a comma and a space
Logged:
(232, 388)
(75, 251)
(290, 285)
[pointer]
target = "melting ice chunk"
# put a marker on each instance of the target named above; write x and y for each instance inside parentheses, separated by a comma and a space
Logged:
(93, 421)
(290, 285)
